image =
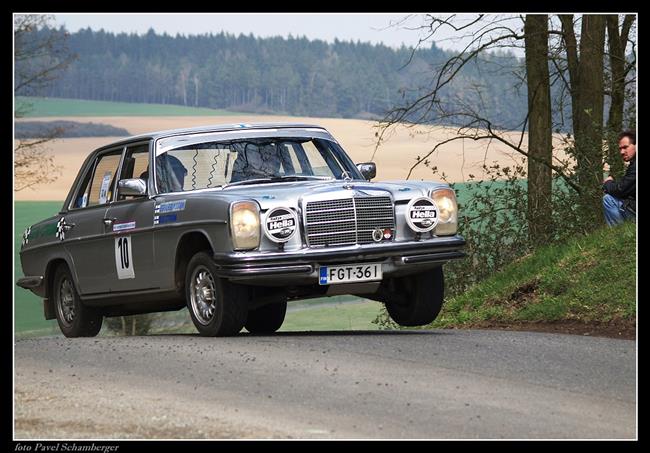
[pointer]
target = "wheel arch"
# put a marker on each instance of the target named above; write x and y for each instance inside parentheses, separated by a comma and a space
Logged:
(188, 245)
(48, 277)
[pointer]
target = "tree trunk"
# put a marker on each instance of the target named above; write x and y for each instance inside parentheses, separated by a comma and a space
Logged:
(540, 146)
(587, 91)
(617, 42)
(589, 112)
(573, 63)
(196, 91)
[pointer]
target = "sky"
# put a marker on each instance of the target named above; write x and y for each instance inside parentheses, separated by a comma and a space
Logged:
(393, 30)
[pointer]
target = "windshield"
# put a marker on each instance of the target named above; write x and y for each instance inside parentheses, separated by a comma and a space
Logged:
(259, 160)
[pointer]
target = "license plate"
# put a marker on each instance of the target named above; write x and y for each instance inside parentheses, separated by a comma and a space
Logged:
(330, 275)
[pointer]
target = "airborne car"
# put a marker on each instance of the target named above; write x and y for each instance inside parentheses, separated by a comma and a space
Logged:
(233, 221)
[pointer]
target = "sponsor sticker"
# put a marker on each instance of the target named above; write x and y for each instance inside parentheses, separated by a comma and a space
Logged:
(280, 224)
(123, 226)
(167, 218)
(170, 206)
(103, 191)
(422, 214)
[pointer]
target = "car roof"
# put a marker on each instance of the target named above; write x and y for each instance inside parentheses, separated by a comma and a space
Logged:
(211, 128)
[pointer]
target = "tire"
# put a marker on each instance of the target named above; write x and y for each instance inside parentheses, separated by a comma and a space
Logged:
(218, 308)
(266, 319)
(421, 298)
(74, 318)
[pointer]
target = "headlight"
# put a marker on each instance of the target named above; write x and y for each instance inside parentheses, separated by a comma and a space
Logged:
(447, 211)
(245, 225)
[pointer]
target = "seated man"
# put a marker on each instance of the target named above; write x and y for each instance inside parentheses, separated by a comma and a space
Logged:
(256, 162)
(619, 201)
(170, 173)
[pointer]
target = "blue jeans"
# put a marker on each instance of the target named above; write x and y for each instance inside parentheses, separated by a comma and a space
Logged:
(614, 212)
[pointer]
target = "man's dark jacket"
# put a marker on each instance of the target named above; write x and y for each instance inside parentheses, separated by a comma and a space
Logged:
(625, 188)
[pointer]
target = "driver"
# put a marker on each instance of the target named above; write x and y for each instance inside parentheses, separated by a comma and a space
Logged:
(260, 162)
(170, 173)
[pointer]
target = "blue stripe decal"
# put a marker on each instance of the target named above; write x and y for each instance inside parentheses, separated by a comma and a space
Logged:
(168, 218)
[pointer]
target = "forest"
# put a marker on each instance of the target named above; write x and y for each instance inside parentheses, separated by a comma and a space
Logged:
(293, 75)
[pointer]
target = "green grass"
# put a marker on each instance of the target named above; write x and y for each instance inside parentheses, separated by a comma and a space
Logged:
(352, 315)
(43, 107)
(301, 317)
(589, 279)
(29, 319)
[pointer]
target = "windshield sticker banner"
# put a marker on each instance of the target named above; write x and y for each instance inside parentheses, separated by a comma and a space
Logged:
(170, 206)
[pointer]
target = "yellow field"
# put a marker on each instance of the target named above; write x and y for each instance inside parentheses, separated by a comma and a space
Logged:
(394, 158)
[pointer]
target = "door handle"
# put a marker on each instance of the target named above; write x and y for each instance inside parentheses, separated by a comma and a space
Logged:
(109, 221)
(69, 226)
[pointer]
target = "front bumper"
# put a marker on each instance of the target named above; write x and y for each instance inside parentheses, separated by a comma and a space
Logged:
(301, 266)
(33, 283)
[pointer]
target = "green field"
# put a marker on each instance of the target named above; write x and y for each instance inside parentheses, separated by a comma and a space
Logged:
(353, 315)
(29, 319)
(323, 316)
(40, 107)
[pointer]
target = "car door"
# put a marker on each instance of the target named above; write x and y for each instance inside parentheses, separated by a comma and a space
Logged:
(81, 228)
(128, 229)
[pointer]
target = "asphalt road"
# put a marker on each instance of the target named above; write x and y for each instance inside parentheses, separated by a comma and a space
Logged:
(400, 385)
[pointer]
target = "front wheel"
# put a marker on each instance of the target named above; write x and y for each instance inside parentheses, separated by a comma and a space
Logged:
(217, 307)
(74, 318)
(416, 300)
(266, 319)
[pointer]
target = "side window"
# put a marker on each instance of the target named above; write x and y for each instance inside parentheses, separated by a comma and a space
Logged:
(290, 163)
(135, 165)
(315, 157)
(82, 196)
(100, 190)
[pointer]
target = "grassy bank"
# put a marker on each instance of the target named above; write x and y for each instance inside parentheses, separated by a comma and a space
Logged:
(42, 107)
(590, 280)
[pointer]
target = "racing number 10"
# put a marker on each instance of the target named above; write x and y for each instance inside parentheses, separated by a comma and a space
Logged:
(124, 257)
(123, 248)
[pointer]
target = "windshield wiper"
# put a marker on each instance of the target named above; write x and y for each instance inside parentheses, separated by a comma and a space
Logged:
(278, 179)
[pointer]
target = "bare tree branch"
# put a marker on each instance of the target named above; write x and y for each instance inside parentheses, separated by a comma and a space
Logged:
(40, 55)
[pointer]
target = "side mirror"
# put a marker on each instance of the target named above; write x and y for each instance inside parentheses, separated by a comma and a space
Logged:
(134, 187)
(368, 170)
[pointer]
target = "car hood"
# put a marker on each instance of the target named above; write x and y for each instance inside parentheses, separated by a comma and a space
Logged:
(289, 193)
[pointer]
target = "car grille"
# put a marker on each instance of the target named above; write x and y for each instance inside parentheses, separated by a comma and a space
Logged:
(347, 221)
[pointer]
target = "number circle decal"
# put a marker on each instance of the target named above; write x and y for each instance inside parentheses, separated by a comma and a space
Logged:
(422, 214)
(281, 224)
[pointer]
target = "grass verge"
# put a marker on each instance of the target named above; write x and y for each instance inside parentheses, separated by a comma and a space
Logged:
(587, 285)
